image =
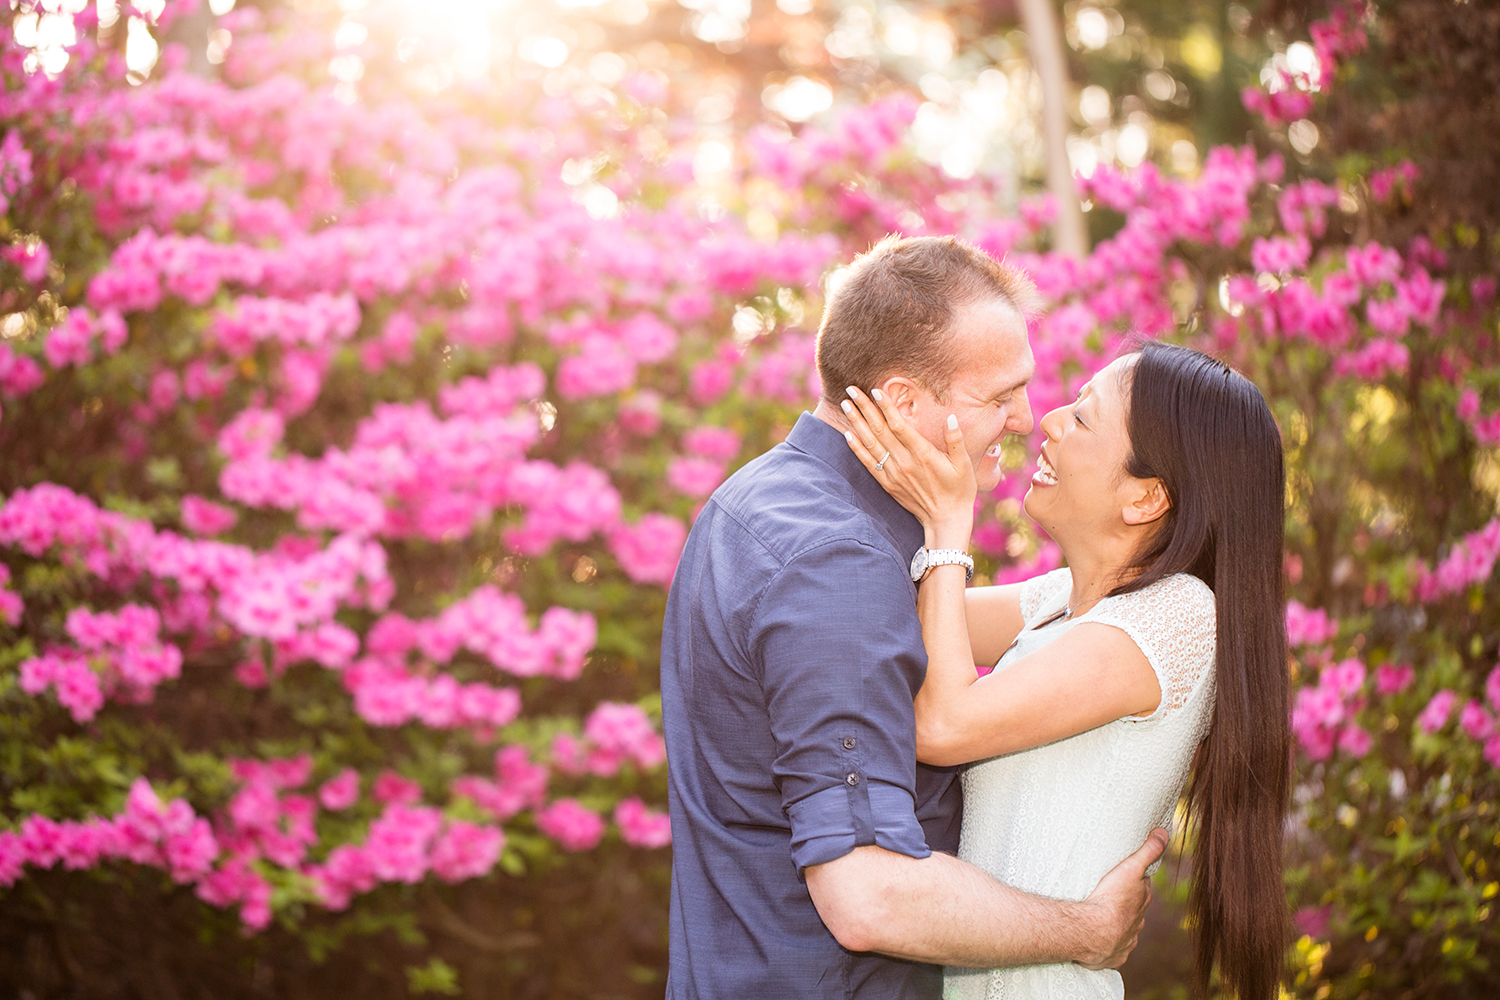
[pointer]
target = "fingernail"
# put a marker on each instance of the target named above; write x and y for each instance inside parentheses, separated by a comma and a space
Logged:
(875, 395)
(952, 422)
(848, 406)
(849, 436)
(853, 392)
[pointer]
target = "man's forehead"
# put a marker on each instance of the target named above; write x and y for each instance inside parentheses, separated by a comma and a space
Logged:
(1000, 355)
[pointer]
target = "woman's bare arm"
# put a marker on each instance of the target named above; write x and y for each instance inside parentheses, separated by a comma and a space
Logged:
(994, 620)
(1091, 675)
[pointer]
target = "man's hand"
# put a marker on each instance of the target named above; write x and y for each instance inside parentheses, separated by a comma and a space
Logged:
(1118, 905)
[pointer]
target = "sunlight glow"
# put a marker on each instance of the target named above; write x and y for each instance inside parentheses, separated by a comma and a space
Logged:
(1095, 106)
(712, 161)
(544, 50)
(798, 99)
(47, 32)
(1093, 28)
(141, 49)
(1132, 145)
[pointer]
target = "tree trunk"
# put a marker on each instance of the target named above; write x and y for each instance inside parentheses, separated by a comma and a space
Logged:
(1039, 20)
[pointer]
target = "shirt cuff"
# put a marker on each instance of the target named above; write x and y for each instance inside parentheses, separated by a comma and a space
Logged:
(827, 825)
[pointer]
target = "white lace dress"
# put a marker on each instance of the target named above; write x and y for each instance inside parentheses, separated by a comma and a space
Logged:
(1054, 819)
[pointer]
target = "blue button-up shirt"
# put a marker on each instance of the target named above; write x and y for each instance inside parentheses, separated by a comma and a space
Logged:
(790, 656)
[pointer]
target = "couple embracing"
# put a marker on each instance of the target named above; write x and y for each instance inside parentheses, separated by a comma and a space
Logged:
(853, 805)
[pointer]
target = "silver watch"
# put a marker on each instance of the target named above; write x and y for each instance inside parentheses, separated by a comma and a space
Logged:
(925, 559)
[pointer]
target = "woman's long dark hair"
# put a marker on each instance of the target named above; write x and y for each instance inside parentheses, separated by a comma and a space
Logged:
(1206, 433)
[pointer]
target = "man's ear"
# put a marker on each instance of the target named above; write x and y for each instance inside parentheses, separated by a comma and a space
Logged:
(902, 392)
(1149, 504)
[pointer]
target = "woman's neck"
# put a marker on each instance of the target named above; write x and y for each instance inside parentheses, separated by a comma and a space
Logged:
(1096, 570)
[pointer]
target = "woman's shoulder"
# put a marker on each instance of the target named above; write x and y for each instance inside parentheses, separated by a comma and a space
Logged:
(1174, 610)
(1179, 588)
(1174, 623)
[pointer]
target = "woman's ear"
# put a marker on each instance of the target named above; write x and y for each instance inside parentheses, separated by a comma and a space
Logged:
(1148, 505)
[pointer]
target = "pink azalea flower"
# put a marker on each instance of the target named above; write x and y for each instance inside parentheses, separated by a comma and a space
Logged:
(574, 827)
(1436, 714)
(1393, 679)
(341, 791)
(641, 827)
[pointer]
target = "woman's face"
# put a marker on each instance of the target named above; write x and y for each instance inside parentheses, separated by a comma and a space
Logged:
(1080, 486)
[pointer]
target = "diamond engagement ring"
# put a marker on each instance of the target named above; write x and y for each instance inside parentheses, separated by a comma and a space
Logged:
(880, 465)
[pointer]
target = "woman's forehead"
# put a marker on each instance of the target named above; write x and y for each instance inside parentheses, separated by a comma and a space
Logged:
(1109, 382)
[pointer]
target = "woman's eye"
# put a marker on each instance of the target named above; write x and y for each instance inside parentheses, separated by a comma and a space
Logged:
(1079, 419)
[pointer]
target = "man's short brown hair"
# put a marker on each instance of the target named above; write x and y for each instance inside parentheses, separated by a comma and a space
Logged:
(893, 312)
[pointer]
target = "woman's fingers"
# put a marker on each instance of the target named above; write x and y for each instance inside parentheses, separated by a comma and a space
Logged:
(954, 439)
(862, 429)
(904, 432)
(872, 416)
(860, 451)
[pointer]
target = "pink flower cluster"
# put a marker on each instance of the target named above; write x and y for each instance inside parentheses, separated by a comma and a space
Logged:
(403, 844)
(614, 734)
(19, 374)
(518, 784)
(1475, 719)
(1287, 103)
(493, 625)
(1388, 181)
(1323, 715)
(388, 695)
(649, 549)
(119, 655)
(574, 826)
(147, 832)
(640, 826)
(71, 342)
(15, 168)
(11, 605)
(1308, 626)
(1471, 560)
(204, 517)
(1486, 428)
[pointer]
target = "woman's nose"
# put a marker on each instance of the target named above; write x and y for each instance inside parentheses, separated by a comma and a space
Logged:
(1052, 422)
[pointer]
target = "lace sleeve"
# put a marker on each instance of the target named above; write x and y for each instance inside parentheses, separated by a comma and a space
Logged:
(1036, 591)
(1174, 622)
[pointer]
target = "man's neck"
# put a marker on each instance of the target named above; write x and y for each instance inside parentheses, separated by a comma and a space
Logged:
(831, 415)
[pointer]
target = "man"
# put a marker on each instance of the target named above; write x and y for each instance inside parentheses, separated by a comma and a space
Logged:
(812, 855)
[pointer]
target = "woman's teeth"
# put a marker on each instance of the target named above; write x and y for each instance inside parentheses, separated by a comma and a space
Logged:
(1045, 474)
(993, 451)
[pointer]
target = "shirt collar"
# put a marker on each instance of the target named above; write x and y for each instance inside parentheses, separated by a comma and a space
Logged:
(814, 437)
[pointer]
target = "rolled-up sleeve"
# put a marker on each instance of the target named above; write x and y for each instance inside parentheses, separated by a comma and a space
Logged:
(840, 647)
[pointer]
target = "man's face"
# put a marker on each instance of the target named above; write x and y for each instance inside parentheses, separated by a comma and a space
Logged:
(988, 391)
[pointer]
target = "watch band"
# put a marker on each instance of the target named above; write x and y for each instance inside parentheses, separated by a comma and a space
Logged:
(925, 560)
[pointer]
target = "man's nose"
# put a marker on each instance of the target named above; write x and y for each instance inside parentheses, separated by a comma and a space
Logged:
(1021, 421)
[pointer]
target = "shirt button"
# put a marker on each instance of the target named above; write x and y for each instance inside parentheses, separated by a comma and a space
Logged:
(852, 780)
(848, 742)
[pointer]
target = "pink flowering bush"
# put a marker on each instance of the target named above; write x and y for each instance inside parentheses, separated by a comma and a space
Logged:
(349, 449)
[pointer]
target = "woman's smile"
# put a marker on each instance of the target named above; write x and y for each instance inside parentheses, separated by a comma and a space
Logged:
(1045, 474)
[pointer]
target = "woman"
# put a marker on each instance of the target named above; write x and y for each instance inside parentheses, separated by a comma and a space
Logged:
(1164, 638)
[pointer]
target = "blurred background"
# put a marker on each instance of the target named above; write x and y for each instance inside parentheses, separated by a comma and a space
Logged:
(320, 236)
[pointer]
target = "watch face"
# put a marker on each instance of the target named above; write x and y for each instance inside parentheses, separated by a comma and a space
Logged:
(919, 564)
